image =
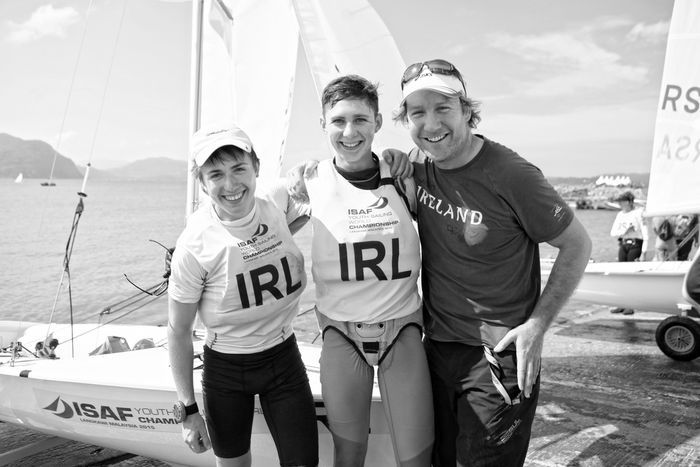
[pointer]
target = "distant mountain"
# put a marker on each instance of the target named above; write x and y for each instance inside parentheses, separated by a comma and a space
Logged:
(155, 168)
(33, 158)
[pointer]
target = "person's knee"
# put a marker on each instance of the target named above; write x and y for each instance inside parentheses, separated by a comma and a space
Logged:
(415, 449)
(348, 453)
(240, 461)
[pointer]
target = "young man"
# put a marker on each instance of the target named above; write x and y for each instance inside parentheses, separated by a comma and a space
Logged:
(366, 261)
(482, 210)
(237, 267)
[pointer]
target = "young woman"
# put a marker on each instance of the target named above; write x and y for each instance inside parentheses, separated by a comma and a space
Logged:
(236, 267)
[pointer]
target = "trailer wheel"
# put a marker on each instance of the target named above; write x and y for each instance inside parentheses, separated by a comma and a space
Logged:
(679, 338)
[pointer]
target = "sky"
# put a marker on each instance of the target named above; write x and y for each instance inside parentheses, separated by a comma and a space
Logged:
(571, 85)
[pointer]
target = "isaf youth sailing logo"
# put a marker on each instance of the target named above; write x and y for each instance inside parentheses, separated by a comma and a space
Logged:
(259, 232)
(381, 203)
(60, 408)
(262, 230)
(63, 409)
(112, 414)
(373, 217)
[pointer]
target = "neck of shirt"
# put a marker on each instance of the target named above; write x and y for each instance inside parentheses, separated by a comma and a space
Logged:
(366, 179)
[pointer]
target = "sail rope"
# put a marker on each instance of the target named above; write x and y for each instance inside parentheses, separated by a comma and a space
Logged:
(130, 304)
(65, 275)
(106, 86)
(70, 90)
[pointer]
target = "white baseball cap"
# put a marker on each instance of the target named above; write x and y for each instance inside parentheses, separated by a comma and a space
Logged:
(448, 85)
(206, 141)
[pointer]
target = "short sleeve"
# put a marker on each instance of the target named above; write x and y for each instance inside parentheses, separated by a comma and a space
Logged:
(293, 207)
(541, 212)
(187, 277)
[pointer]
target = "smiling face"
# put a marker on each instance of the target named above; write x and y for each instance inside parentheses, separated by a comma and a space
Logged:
(229, 178)
(439, 126)
(350, 126)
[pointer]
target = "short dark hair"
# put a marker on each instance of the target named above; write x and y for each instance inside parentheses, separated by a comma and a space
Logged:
(468, 105)
(350, 87)
(226, 151)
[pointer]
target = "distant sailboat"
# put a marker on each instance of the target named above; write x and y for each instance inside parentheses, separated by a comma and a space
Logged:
(53, 166)
(19, 178)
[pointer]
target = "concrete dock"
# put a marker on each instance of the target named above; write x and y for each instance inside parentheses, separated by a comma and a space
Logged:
(609, 397)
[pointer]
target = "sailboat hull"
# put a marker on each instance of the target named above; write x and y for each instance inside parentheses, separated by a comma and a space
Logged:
(124, 401)
(641, 285)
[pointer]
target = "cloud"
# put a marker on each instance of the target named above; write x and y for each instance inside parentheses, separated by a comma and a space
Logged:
(45, 21)
(587, 123)
(579, 141)
(67, 135)
(652, 33)
(573, 61)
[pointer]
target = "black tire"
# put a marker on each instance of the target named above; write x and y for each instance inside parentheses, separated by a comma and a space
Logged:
(679, 338)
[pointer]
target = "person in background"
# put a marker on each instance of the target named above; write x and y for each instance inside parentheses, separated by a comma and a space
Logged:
(685, 231)
(665, 246)
(366, 261)
(631, 233)
(237, 267)
(482, 210)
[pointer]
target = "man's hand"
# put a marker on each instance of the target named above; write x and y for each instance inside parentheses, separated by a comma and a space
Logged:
(401, 166)
(194, 432)
(296, 185)
(528, 353)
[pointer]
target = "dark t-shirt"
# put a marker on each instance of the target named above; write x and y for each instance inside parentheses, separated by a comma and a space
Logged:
(480, 226)
(692, 280)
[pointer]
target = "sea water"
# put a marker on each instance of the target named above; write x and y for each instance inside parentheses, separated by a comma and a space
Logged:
(112, 240)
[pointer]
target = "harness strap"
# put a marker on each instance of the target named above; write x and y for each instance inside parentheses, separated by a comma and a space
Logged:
(371, 347)
(497, 376)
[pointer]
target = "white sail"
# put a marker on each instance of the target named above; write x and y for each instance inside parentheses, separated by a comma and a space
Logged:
(19, 178)
(674, 183)
(350, 37)
(245, 73)
(247, 64)
(265, 41)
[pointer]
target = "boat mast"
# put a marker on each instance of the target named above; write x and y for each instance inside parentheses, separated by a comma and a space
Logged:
(202, 10)
(195, 99)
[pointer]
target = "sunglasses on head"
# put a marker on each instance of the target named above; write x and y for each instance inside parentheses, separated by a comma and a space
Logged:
(438, 66)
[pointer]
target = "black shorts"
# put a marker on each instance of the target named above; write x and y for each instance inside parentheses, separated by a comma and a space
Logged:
(474, 423)
(230, 383)
(630, 249)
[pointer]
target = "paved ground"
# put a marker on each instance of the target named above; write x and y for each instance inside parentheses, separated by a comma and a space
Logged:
(609, 398)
